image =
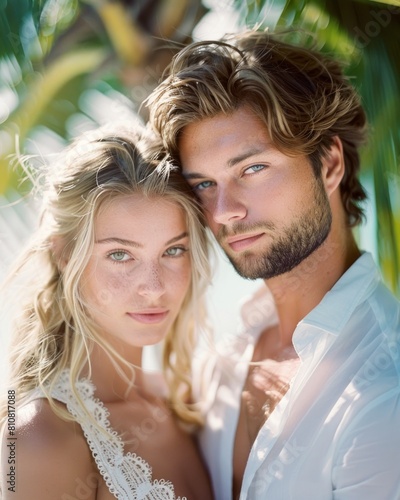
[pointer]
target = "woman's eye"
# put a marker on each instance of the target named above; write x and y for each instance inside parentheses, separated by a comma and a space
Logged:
(175, 251)
(254, 168)
(203, 185)
(119, 256)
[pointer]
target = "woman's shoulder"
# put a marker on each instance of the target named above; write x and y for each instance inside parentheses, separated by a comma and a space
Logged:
(45, 444)
(38, 425)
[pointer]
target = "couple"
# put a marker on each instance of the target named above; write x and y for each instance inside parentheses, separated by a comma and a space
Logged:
(305, 402)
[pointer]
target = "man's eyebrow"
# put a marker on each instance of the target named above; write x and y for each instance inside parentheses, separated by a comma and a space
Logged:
(135, 244)
(193, 175)
(232, 162)
(256, 150)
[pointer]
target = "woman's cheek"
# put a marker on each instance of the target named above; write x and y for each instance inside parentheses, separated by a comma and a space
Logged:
(110, 287)
(181, 277)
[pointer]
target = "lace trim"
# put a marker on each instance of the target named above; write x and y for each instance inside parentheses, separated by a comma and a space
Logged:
(127, 476)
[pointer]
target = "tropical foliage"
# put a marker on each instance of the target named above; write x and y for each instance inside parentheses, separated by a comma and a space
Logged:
(67, 65)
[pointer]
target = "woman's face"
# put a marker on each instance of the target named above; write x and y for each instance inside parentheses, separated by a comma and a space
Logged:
(140, 269)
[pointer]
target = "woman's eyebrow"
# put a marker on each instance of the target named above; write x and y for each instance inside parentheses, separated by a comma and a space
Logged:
(131, 243)
(121, 241)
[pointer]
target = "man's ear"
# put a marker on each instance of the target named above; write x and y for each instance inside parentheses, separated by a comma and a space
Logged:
(333, 166)
(58, 249)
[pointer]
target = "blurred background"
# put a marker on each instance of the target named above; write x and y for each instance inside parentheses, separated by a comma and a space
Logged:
(67, 66)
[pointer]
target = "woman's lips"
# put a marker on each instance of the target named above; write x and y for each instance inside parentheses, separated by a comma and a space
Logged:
(240, 243)
(150, 316)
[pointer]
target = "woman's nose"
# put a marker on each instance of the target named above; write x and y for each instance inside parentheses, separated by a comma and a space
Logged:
(151, 282)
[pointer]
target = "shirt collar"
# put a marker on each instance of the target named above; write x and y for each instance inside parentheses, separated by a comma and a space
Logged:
(337, 306)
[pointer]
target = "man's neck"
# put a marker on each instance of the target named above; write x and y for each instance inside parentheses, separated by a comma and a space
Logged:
(297, 292)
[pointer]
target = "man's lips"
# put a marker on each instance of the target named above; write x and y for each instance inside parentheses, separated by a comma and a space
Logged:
(243, 241)
(149, 316)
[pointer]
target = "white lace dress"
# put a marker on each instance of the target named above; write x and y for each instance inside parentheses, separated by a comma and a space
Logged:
(128, 477)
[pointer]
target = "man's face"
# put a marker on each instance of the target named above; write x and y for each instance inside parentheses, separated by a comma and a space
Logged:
(266, 209)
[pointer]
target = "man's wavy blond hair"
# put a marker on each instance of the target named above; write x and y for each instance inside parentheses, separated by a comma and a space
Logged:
(301, 96)
(54, 331)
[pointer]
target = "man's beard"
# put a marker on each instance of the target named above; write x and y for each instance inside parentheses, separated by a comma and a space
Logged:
(294, 243)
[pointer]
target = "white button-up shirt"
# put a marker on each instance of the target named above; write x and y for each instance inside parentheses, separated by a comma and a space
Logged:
(336, 433)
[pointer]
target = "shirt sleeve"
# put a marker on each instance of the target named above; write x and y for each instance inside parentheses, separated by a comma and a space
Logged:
(367, 462)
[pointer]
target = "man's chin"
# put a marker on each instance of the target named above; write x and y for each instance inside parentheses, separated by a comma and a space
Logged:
(246, 269)
(277, 263)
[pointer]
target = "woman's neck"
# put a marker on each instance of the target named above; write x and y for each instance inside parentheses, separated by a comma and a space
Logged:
(114, 380)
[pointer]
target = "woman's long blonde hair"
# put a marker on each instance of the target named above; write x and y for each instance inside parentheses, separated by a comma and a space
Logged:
(54, 331)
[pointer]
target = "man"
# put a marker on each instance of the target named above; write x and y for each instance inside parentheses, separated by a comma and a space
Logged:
(267, 134)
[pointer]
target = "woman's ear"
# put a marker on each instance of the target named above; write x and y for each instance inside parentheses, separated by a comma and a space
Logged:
(333, 166)
(58, 249)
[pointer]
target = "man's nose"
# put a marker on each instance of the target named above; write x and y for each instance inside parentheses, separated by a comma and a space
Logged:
(228, 207)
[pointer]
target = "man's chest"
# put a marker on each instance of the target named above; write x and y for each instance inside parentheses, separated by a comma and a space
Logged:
(266, 383)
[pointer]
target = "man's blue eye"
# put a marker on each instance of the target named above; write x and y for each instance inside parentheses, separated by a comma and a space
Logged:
(203, 185)
(255, 168)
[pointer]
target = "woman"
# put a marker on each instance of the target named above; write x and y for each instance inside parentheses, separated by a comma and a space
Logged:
(117, 264)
